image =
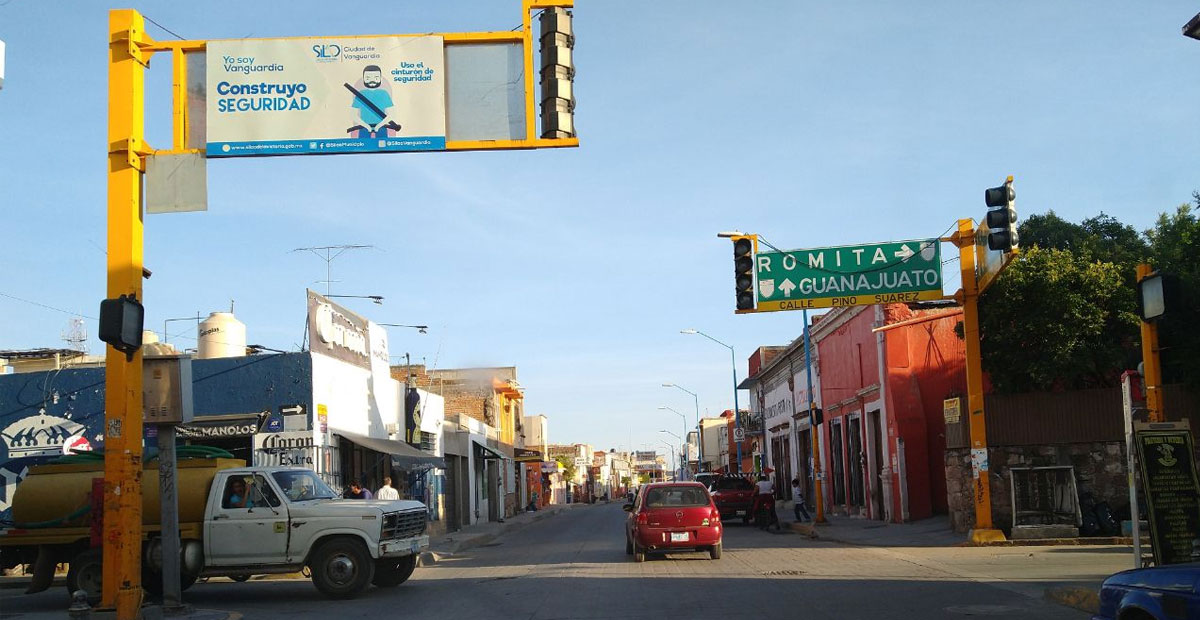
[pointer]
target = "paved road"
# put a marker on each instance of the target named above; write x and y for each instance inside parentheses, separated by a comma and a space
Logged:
(574, 566)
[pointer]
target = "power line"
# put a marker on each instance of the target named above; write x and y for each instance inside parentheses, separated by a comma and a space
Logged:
(48, 307)
(163, 27)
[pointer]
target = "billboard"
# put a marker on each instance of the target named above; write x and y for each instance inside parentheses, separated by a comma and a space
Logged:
(325, 95)
(337, 332)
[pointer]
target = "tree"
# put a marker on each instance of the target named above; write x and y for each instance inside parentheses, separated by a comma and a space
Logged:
(1058, 319)
(1175, 249)
(568, 466)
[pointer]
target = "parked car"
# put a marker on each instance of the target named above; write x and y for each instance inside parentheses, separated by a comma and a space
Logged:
(672, 516)
(1159, 593)
(707, 478)
(734, 497)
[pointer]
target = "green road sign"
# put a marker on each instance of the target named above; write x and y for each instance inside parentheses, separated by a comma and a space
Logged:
(850, 275)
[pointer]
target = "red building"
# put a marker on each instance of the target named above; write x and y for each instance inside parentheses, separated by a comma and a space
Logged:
(884, 373)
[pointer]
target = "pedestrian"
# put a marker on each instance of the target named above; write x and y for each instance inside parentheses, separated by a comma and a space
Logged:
(386, 491)
(798, 496)
(355, 491)
(764, 503)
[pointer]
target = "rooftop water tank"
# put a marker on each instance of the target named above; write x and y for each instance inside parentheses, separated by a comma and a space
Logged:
(221, 335)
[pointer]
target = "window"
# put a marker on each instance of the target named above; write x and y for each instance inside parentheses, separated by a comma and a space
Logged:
(672, 497)
(301, 486)
(733, 483)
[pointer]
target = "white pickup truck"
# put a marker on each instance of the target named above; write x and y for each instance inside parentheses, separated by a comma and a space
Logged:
(234, 522)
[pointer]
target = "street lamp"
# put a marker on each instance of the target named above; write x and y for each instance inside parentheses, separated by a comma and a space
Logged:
(737, 413)
(671, 449)
(1192, 28)
(423, 329)
(684, 418)
(699, 435)
(378, 299)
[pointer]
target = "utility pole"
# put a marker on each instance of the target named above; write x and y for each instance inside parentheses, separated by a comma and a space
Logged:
(1151, 365)
(981, 472)
(122, 541)
(813, 429)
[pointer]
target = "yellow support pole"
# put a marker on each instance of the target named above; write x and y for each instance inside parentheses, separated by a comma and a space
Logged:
(1151, 367)
(179, 100)
(527, 51)
(981, 488)
(122, 587)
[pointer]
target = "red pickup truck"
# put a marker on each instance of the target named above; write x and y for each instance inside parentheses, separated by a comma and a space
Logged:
(734, 496)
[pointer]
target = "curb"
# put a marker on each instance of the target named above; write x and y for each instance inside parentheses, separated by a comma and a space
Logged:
(1075, 597)
(1099, 541)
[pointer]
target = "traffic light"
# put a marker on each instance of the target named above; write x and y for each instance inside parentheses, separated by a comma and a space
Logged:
(1002, 217)
(558, 74)
(121, 322)
(744, 249)
(1158, 295)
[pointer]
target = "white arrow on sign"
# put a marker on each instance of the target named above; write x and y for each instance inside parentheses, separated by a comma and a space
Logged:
(787, 286)
(904, 252)
(292, 409)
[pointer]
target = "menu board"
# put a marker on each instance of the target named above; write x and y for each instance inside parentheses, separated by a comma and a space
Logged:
(1167, 466)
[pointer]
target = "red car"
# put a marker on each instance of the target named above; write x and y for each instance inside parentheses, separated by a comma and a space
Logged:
(734, 497)
(673, 516)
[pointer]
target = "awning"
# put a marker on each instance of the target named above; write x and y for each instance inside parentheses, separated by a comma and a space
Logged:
(487, 452)
(747, 383)
(403, 455)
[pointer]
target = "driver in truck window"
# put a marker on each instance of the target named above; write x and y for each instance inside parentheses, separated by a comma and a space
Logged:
(235, 494)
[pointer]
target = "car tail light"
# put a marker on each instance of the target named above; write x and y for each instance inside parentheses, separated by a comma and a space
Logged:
(714, 514)
(642, 518)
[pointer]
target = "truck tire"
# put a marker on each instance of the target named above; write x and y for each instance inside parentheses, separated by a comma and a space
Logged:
(86, 573)
(391, 572)
(341, 568)
(152, 582)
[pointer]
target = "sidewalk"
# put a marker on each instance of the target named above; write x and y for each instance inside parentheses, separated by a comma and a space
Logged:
(1065, 571)
(483, 533)
(932, 532)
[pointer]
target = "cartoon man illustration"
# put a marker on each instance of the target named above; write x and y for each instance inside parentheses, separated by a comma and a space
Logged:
(371, 104)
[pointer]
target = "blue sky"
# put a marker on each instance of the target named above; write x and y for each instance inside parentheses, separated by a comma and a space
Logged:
(814, 124)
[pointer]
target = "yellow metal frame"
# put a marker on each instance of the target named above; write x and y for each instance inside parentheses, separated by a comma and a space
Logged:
(144, 47)
(129, 54)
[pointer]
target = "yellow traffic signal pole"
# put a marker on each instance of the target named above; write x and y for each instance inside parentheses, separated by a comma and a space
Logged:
(981, 488)
(130, 49)
(122, 544)
(1151, 368)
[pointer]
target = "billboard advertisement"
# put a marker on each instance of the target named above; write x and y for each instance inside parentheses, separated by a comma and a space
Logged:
(325, 95)
(337, 332)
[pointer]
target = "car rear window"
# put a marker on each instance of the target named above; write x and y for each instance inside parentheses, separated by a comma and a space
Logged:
(734, 484)
(663, 497)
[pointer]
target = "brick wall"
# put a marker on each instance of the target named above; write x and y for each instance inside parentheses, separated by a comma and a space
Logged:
(1099, 470)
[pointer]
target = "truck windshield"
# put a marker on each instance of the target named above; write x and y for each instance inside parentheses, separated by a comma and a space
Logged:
(300, 486)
